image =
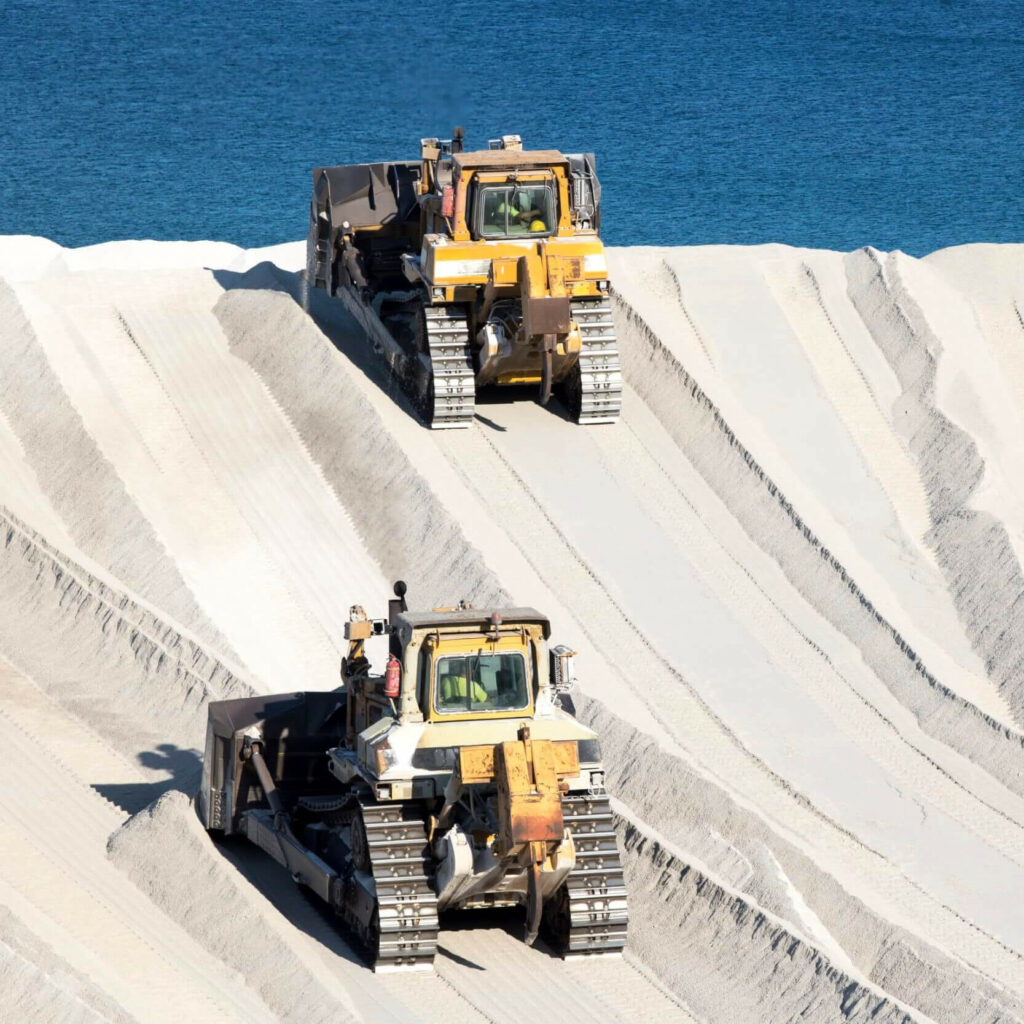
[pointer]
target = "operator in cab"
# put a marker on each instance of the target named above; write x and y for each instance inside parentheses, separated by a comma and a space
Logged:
(518, 211)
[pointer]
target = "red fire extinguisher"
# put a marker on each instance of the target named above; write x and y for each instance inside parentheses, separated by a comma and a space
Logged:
(392, 677)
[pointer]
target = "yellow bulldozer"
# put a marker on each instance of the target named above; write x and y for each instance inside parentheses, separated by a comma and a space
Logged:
(474, 269)
(452, 780)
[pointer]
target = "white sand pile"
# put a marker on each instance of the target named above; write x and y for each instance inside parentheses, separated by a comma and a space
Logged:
(747, 959)
(239, 513)
(137, 679)
(795, 618)
(401, 522)
(500, 484)
(219, 909)
(963, 427)
(79, 482)
(28, 258)
(80, 921)
(741, 862)
(40, 987)
(982, 731)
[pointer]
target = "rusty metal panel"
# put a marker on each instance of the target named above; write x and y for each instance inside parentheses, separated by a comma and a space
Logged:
(567, 758)
(516, 775)
(529, 804)
(535, 818)
(532, 278)
(476, 765)
(548, 315)
(505, 272)
(545, 777)
(561, 270)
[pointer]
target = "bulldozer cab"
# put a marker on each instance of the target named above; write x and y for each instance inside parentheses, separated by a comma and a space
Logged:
(480, 677)
(500, 194)
(446, 666)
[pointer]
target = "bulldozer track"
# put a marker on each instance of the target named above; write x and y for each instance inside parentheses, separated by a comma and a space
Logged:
(399, 854)
(450, 396)
(594, 914)
(600, 372)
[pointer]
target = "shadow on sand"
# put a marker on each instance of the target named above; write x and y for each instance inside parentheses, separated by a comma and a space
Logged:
(184, 767)
(307, 912)
(511, 920)
(345, 334)
(330, 316)
(301, 907)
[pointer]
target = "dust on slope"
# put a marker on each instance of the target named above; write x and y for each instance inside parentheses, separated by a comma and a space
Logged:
(774, 323)
(746, 973)
(253, 449)
(403, 526)
(40, 987)
(740, 861)
(21, 492)
(492, 966)
(233, 923)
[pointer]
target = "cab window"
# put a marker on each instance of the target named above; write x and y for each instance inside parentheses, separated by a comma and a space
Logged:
(480, 682)
(514, 211)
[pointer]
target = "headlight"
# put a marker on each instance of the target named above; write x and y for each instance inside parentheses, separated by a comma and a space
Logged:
(434, 759)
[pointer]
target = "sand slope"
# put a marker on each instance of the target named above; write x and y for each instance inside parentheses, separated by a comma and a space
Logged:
(792, 571)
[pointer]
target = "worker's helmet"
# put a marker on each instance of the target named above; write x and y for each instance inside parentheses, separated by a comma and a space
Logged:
(538, 225)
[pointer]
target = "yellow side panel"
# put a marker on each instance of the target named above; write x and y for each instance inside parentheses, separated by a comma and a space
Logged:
(480, 644)
(567, 758)
(505, 272)
(517, 770)
(580, 258)
(476, 764)
(557, 759)
(517, 377)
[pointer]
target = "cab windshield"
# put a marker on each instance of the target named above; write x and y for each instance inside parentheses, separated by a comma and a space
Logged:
(481, 682)
(512, 211)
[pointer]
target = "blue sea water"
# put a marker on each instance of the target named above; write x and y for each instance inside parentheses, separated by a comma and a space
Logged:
(832, 124)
